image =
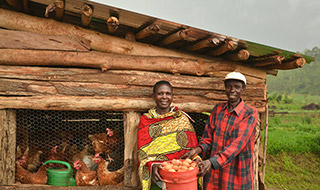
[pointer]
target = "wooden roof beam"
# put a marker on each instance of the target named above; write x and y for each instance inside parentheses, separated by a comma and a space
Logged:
(241, 55)
(148, 31)
(112, 24)
(294, 64)
(277, 59)
(180, 35)
(86, 14)
(58, 6)
(209, 42)
(227, 45)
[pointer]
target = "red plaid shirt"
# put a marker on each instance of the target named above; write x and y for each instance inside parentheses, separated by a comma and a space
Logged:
(228, 142)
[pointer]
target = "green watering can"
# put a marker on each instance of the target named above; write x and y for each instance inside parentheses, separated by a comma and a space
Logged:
(60, 176)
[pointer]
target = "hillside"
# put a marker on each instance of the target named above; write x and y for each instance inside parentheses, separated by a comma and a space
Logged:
(300, 81)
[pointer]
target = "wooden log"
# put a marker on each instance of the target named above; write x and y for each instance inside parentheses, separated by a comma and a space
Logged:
(15, 87)
(180, 35)
(238, 56)
(265, 145)
(130, 36)
(59, 8)
(276, 59)
(86, 14)
(121, 77)
(85, 103)
(112, 24)
(16, 4)
(227, 45)
(106, 61)
(148, 31)
(7, 146)
(294, 64)
(131, 122)
(209, 42)
(27, 40)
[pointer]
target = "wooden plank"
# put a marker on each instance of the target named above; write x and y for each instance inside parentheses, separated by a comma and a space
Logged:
(7, 146)
(131, 122)
(121, 77)
(15, 87)
(85, 103)
(26, 40)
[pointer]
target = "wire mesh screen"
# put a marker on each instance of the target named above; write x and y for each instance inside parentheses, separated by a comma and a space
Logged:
(200, 121)
(69, 132)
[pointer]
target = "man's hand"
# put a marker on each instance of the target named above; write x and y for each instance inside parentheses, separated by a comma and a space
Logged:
(191, 153)
(156, 172)
(204, 167)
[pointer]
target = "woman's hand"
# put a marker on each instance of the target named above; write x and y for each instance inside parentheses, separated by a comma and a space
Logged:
(156, 172)
(204, 167)
(191, 153)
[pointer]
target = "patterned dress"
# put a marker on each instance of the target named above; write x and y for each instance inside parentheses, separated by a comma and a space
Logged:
(161, 138)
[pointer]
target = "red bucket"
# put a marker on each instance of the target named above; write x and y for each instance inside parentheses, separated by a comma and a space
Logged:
(180, 180)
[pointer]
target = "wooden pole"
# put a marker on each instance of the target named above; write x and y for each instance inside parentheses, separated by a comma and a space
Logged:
(26, 40)
(7, 146)
(227, 45)
(296, 63)
(59, 8)
(276, 59)
(210, 42)
(238, 56)
(180, 35)
(265, 145)
(149, 30)
(86, 14)
(131, 122)
(112, 24)
(106, 61)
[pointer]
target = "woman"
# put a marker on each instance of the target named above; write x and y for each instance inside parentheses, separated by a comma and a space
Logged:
(164, 133)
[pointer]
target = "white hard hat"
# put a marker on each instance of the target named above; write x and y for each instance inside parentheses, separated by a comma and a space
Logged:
(236, 76)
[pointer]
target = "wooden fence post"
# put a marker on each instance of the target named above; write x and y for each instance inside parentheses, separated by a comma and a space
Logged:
(131, 121)
(7, 146)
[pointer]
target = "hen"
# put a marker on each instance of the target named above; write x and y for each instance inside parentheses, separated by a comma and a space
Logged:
(24, 176)
(84, 176)
(33, 161)
(84, 156)
(106, 177)
(104, 142)
(54, 155)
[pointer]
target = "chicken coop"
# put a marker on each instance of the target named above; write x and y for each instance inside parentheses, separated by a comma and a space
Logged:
(72, 69)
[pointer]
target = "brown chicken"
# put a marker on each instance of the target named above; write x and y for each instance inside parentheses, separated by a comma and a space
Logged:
(106, 177)
(33, 161)
(20, 171)
(54, 155)
(84, 176)
(24, 176)
(104, 142)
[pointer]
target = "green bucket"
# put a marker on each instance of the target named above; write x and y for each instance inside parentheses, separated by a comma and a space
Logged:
(60, 176)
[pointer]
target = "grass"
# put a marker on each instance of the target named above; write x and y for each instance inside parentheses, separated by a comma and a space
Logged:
(293, 152)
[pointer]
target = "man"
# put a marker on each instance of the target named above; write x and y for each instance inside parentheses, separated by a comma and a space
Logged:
(227, 143)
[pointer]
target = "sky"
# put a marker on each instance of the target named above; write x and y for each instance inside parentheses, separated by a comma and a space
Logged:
(292, 25)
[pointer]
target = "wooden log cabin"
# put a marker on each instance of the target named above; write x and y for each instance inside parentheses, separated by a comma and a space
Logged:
(71, 68)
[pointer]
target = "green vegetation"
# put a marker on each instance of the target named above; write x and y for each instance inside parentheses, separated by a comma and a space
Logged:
(293, 152)
(300, 81)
